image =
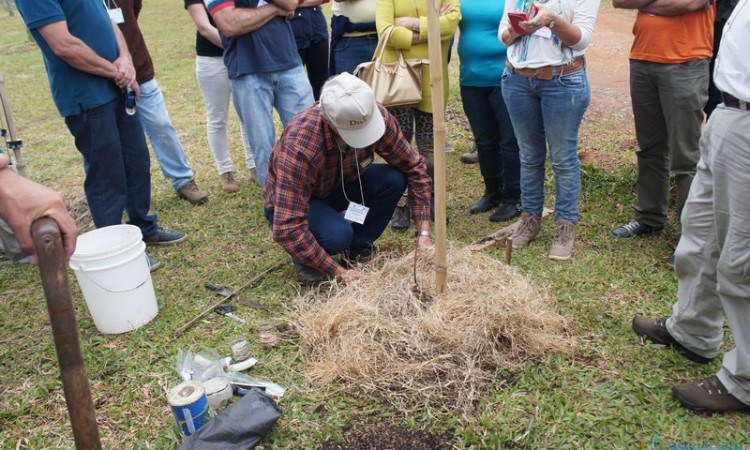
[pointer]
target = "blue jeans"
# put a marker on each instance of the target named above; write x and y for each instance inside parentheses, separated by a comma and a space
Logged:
(255, 96)
(158, 126)
(382, 186)
(548, 112)
(117, 165)
(350, 52)
(493, 135)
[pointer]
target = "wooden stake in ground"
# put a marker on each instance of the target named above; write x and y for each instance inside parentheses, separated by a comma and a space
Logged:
(434, 45)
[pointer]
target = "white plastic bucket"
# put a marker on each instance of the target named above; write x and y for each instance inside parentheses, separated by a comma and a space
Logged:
(112, 270)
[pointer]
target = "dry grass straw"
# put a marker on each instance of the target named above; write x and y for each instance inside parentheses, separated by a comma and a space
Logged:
(427, 351)
(79, 211)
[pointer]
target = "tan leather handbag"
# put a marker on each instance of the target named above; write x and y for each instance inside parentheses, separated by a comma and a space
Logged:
(395, 84)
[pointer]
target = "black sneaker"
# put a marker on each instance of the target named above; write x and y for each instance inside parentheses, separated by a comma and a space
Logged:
(634, 228)
(308, 276)
(655, 330)
(153, 263)
(164, 237)
(708, 396)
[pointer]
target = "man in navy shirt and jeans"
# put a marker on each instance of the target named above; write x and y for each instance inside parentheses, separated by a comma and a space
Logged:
(264, 67)
(89, 66)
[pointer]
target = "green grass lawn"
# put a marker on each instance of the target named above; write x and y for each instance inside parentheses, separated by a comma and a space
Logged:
(614, 392)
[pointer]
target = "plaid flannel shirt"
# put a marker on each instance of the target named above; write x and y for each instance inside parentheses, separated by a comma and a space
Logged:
(306, 162)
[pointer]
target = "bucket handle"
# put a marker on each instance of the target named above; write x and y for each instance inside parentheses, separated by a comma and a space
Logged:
(81, 270)
(116, 292)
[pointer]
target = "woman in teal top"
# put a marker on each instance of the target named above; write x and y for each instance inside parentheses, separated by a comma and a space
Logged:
(482, 58)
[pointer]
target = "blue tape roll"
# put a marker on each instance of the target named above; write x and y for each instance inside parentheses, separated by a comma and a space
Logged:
(190, 406)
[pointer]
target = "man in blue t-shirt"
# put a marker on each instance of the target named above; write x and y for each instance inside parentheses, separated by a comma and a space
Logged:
(89, 68)
(264, 68)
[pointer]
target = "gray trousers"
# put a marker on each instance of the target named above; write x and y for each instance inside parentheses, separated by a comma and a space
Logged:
(668, 102)
(713, 256)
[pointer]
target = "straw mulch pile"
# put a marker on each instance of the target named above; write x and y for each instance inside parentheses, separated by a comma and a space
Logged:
(381, 334)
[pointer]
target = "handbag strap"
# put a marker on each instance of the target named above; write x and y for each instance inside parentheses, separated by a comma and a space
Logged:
(380, 49)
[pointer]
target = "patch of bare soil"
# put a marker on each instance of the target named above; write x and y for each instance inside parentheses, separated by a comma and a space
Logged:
(370, 434)
(609, 117)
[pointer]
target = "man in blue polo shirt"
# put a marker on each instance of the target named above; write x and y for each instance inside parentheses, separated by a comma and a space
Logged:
(89, 68)
(264, 67)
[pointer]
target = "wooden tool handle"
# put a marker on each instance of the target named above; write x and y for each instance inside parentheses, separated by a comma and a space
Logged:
(48, 244)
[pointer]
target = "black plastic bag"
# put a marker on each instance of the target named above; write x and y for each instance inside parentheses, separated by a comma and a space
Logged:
(241, 426)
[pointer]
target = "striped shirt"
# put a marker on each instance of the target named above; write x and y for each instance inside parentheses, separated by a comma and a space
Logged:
(306, 163)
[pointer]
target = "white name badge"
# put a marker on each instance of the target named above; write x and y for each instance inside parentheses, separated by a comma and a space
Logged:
(116, 15)
(356, 213)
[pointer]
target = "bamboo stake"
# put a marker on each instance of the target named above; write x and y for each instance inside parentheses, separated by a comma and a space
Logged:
(434, 45)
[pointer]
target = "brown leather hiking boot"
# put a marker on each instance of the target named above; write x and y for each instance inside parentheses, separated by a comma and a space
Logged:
(252, 175)
(655, 330)
(527, 230)
(228, 183)
(562, 243)
(192, 193)
(708, 396)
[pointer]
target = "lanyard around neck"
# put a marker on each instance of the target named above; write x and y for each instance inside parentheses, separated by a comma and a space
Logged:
(343, 180)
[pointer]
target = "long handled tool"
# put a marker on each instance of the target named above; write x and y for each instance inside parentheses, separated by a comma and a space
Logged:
(228, 296)
(14, 143)
(49, 247)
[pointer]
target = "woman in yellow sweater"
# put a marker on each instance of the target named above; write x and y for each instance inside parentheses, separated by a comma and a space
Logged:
(409, 18)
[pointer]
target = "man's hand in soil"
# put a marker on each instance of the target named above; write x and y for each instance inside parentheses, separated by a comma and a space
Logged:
(346, 275)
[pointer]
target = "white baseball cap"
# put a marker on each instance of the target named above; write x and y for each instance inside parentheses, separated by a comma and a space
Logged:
(349, 105)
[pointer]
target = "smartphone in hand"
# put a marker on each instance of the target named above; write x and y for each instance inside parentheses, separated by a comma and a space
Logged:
(515, 17)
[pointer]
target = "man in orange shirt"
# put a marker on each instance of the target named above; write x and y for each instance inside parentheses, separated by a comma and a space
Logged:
(668, 87)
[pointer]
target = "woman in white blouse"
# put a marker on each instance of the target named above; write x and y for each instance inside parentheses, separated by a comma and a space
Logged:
(546, 91)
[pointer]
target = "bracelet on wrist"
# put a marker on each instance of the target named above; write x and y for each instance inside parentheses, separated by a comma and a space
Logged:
(421, 233)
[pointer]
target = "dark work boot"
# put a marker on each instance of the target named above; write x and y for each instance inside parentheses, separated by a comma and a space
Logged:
(509, 208)
(308, 276)
(491, 197)
(401, 218)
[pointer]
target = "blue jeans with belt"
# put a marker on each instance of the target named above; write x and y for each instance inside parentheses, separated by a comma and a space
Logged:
(117, 165)
(548, 112)
(382, 186)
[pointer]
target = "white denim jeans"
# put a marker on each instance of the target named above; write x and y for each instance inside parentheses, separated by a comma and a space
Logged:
(214, 82)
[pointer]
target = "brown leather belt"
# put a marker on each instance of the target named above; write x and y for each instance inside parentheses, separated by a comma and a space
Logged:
(734, 102)
(550, 72)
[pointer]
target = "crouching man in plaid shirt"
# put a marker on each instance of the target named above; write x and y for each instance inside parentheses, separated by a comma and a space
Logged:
(323, 166)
